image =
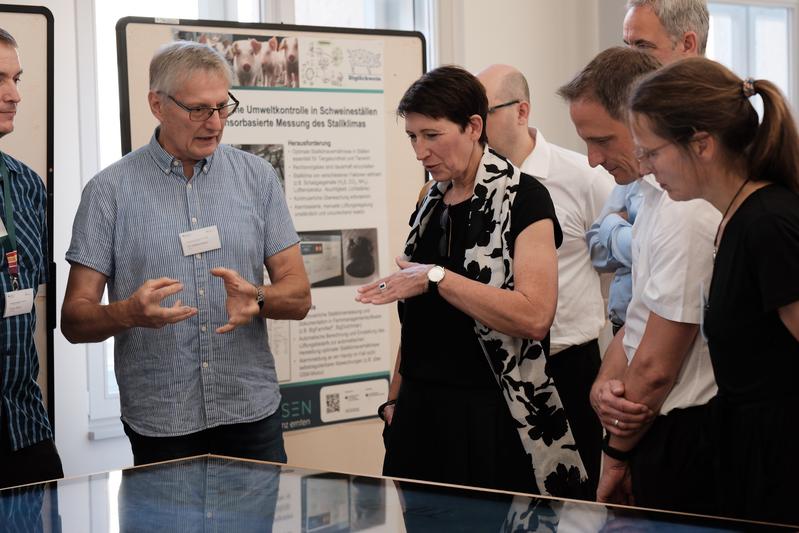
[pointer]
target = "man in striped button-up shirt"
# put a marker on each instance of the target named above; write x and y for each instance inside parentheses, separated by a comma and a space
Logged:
(180, 230)
(27, 452)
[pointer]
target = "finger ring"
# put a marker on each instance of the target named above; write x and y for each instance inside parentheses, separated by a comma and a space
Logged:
(382, 286)
(616, 422)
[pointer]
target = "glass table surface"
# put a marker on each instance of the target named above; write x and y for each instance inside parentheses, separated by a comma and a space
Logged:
(220, 494)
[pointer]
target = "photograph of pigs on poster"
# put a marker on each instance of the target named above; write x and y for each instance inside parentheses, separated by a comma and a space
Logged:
(260, 61)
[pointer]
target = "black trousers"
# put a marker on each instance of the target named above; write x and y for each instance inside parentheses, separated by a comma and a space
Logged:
(261, 440)
(672, 467)
(574, 371)
(38, 462)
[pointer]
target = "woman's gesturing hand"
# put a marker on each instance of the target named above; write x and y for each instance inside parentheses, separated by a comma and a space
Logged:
(410, 280)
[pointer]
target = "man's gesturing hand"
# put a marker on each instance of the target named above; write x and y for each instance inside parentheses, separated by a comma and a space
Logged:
(144, 305)
(240, 304)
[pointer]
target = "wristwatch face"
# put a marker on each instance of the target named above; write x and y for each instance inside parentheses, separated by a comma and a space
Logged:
(436, 274)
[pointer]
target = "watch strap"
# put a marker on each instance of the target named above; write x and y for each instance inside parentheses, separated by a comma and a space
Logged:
(259, 297)
(432, 287)
(615, 453)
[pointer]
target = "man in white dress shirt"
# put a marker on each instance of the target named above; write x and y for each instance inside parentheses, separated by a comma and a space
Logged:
(657, 363)
(578, 192)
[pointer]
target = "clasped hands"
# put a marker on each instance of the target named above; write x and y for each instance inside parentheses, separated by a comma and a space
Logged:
(409, 281)
(618, 415)
(622, 418)
(144, 307)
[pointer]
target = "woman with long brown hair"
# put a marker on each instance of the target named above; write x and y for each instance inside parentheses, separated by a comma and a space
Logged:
(698, 132)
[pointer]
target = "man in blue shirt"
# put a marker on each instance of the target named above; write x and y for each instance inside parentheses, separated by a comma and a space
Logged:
(27, 452)
(610, 247)
(180, 231)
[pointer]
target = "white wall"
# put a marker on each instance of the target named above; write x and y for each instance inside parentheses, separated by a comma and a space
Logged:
(611, 15)
(549, 42)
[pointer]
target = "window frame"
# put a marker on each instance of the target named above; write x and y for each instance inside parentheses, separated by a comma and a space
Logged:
(793, 40)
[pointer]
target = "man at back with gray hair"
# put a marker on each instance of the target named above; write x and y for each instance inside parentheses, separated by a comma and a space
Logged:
(180, 231)
(667, 29)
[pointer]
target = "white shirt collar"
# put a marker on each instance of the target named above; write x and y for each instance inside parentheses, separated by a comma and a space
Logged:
(537, 163)
(650, 180)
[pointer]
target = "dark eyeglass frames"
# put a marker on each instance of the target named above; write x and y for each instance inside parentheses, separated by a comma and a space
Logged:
(445, 244)
(499, 106)
(201, 114)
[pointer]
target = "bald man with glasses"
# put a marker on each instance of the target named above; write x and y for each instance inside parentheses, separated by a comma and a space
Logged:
(179, 231)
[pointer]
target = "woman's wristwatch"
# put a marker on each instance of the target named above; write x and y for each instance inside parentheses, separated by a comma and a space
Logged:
(434, 277)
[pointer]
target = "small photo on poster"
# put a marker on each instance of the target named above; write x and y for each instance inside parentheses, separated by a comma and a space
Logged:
(272, 154)
(334, 258)
(342, 63)
(256, 60)
(218, 41)
(322, 255)
(360, 255)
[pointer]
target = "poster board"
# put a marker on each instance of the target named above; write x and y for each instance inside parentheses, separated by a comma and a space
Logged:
(32, 143)
(323, 114)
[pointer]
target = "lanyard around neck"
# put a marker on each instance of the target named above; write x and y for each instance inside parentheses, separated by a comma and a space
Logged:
(11, 239)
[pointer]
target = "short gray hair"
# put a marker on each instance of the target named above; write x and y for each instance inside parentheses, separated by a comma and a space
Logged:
(679, 17)
(8, 39)
(174, 62)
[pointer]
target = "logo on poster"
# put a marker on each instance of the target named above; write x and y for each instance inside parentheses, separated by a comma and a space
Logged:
(296, 408)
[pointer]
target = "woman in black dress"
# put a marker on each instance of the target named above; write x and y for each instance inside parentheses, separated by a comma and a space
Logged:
(699, 134)
(470, 402)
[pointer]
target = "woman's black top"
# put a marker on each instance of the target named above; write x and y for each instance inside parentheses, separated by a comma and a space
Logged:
(439, 344)
(755, 273)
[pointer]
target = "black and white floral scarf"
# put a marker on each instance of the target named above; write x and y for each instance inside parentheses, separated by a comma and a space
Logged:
(518, 364)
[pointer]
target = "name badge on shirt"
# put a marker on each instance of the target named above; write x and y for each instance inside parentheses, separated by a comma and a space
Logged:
(200, 240)
(18, 302)
(3, 231)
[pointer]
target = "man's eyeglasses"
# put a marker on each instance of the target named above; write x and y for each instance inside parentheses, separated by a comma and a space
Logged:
(201, 114)
(499, 106)
(445, 244)
(647, 155)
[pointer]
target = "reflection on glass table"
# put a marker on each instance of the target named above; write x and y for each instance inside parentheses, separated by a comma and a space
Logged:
(212, 493)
